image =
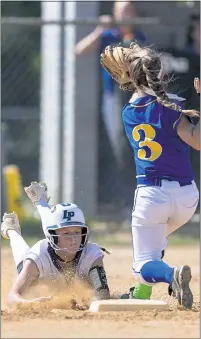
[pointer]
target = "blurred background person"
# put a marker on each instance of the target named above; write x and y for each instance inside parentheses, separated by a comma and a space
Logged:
(104, 35)
(111, 98)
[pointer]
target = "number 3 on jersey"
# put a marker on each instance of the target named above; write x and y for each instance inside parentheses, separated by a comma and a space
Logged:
(149, 135)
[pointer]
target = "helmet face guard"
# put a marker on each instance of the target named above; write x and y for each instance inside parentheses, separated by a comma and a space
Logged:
(62, 216)
(53, 238)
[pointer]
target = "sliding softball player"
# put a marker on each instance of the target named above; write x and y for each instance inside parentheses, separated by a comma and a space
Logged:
(65, 251)
(160, 133)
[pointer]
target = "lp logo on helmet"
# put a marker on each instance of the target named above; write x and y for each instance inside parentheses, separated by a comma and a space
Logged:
(68, 215)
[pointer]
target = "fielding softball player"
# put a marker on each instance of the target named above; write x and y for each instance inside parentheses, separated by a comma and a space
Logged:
(65, 251)
(160, 133)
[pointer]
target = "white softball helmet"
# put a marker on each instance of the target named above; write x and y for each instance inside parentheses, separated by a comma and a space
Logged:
(62, 216)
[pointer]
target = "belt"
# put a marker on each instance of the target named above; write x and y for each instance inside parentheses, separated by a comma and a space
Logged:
(156, 181)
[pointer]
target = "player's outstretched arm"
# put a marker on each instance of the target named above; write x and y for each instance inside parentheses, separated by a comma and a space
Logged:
(98, 280)
(27, 276)
(189, 133)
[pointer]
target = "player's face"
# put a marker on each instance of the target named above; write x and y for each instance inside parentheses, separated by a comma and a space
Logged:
(70, 238)
(124, 12)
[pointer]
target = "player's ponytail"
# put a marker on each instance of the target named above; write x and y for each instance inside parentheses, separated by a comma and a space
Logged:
(149, 66)
(144, 66)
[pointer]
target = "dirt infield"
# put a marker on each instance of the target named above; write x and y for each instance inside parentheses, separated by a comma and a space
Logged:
(58, 320)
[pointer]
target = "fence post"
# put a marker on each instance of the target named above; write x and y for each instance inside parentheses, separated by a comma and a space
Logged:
(81, 114)
(49, 100)
(69, 127)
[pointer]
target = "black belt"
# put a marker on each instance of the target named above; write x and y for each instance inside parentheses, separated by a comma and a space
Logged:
(156, 181)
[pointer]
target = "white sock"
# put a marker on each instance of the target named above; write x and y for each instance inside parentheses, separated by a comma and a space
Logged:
(19, 246)
(44, 211)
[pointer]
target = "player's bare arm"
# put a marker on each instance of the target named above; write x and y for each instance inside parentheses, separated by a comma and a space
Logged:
(98, 280)
(189, 133)
(25, 279)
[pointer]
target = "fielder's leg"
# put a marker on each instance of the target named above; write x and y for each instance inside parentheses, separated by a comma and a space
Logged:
(150, 269)
(149, 229)
(141, 291)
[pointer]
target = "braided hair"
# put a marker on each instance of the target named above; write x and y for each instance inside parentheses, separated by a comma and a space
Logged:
(144, 67)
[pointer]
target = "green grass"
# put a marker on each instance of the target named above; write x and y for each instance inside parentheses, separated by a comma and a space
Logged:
(30, 241)
(106, 234)
(126, 240)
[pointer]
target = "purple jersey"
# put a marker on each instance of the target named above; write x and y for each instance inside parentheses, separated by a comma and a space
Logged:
(158, 150)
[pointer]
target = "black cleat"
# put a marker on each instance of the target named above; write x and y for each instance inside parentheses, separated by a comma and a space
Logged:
(180, 286)
(128, 295)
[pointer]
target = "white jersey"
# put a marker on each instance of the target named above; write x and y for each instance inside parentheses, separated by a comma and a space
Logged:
(47, 270)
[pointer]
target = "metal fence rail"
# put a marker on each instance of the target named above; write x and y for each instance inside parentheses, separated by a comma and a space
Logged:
(78, 21)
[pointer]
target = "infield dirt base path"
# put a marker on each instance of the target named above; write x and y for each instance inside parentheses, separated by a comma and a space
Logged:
(59, 321)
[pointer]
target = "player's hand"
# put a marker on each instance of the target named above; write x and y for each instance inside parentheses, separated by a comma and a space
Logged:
(78, 307)
(39, 300)
(105, 21)
(81, 307)
(197, 84)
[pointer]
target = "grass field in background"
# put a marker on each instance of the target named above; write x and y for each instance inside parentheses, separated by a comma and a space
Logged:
(110, 233)
(119, 240)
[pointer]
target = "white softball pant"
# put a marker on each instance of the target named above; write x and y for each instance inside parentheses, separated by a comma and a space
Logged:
(157, 212)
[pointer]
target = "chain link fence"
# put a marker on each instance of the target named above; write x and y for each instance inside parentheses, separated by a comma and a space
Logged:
(20, 58)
